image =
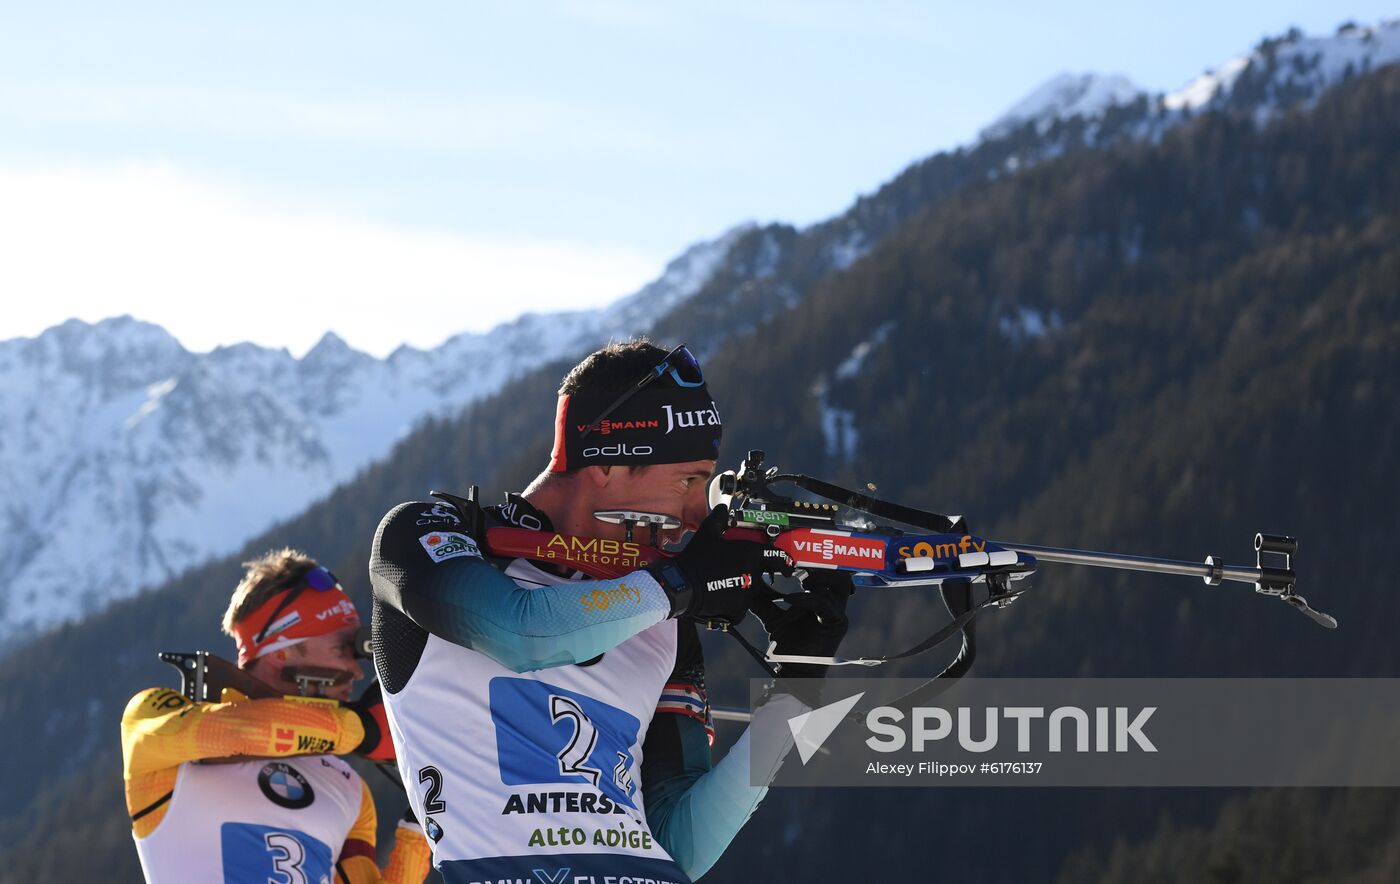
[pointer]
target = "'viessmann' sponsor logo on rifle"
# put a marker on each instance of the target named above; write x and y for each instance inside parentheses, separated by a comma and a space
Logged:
(609, 426)
(699, 417)
(849, 549)
(951, 550)
(602, 599)
(743, 581)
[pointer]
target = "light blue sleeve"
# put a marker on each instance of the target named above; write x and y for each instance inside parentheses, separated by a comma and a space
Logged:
(465, 600)
(522, 628)
(695, 810)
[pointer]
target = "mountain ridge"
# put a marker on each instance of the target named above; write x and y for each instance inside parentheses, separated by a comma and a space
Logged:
(165, 458)
(1224, 352)
(313, 422)
(1278, 73)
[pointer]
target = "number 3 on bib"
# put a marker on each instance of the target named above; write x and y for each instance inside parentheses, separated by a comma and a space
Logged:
(287, 856)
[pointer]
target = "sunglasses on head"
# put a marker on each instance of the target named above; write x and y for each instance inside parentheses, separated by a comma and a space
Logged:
(318, 578)
(680, 365)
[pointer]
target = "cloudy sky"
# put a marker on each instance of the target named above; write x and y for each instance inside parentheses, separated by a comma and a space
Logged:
(401, 172)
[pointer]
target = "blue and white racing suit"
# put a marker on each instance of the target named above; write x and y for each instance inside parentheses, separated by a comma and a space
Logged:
(550, 727)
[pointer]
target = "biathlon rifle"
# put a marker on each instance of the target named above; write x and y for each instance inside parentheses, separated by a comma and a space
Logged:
(204, 675)
(882, 544)
(844, 535)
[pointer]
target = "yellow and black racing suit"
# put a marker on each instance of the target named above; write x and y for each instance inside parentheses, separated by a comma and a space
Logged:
(252, 791)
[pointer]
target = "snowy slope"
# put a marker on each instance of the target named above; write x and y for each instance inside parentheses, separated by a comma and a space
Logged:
(1294, 67)
(1072, 112)
(1064, 96)
(126, 459)
(1277, 74)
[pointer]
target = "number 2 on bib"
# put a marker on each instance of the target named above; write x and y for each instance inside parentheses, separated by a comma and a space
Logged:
(573, 757)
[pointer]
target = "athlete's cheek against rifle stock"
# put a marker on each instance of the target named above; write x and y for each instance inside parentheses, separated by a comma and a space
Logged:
(334, 651)
(673, 489)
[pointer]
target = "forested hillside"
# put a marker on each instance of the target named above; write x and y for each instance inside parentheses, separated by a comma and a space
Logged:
(1153, 347)
(1217, 351)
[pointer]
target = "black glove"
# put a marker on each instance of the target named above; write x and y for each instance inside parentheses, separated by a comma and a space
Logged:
(377, 744)
(813, 623)
(714, 579)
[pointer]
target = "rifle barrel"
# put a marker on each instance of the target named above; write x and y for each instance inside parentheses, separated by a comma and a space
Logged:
(724, 713)
(1132, 563)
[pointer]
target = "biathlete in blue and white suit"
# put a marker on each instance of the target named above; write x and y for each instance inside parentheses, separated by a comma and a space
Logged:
(552, 727)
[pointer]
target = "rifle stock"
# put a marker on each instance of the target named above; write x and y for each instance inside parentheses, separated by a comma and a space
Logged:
(204, 675)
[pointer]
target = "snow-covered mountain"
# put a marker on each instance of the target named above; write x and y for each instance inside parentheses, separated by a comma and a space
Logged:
(1076, 112)
(1064, 96)
(126, 459)
(1277, 74)
(1289, 69)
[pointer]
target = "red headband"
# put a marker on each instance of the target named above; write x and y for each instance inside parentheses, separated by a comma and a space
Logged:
(311, 613)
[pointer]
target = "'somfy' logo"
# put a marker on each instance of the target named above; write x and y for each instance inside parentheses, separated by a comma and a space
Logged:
(602, 599)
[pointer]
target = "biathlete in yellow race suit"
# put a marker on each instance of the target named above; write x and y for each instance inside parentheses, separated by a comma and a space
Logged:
(250, 791)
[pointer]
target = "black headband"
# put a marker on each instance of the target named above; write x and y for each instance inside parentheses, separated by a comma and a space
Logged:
(662, 423)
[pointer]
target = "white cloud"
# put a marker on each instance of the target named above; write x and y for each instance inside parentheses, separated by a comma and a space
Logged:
(213, 266)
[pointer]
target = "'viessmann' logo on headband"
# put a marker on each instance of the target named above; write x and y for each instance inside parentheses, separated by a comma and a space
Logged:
(344, 607)
(605, 427)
